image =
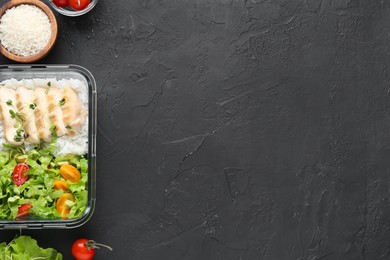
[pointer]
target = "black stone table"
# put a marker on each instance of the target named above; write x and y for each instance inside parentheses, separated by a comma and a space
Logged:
(229, 129)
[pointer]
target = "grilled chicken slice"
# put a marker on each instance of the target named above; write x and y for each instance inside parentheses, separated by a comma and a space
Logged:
(27, 115)
(11, 123)
(26, 106)
(42, 114)
(55, 101)
(72, 110)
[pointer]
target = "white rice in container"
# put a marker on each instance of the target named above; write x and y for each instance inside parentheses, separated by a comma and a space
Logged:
(76, 144)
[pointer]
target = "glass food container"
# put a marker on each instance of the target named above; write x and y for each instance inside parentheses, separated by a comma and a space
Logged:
(63, 73)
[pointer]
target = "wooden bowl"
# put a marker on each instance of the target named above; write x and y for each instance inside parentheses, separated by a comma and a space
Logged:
(54, 31)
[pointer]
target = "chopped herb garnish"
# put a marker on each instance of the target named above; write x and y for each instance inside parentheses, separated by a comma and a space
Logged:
(18, 136)
(19, 117)
(49, 84)
(33, 106)
(62, 102)
(52, 128)
(12, 113)
(9, 102)
(68, 127)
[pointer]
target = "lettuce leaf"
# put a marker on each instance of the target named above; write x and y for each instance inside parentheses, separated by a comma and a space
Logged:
(27, 248)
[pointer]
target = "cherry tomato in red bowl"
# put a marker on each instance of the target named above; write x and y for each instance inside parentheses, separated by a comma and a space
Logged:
(73, 7)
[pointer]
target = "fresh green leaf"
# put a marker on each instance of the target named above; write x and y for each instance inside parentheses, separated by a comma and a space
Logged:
(27, 248)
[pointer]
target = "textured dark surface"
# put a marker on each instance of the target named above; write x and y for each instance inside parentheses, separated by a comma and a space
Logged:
(237, 130)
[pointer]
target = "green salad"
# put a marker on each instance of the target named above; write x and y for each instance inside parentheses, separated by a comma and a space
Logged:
(37, 184)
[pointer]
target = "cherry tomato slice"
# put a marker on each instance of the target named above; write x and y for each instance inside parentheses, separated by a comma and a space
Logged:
(81, 251)
(61, 206)
(70, 173)
(24, 210)
(61, 3)
(79, 4)
(60, 185)
(19, 175)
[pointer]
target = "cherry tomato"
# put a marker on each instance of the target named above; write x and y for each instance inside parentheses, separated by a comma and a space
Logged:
(70, 173)
(81, 249)
(24, 210)
(19, 177)
(61, 206)
(79, 4)
(61, 3)
(84, 249)
(60, 185)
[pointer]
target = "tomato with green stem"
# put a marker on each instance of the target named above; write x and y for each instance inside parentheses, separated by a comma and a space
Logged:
(84, 249)
(79, 4)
